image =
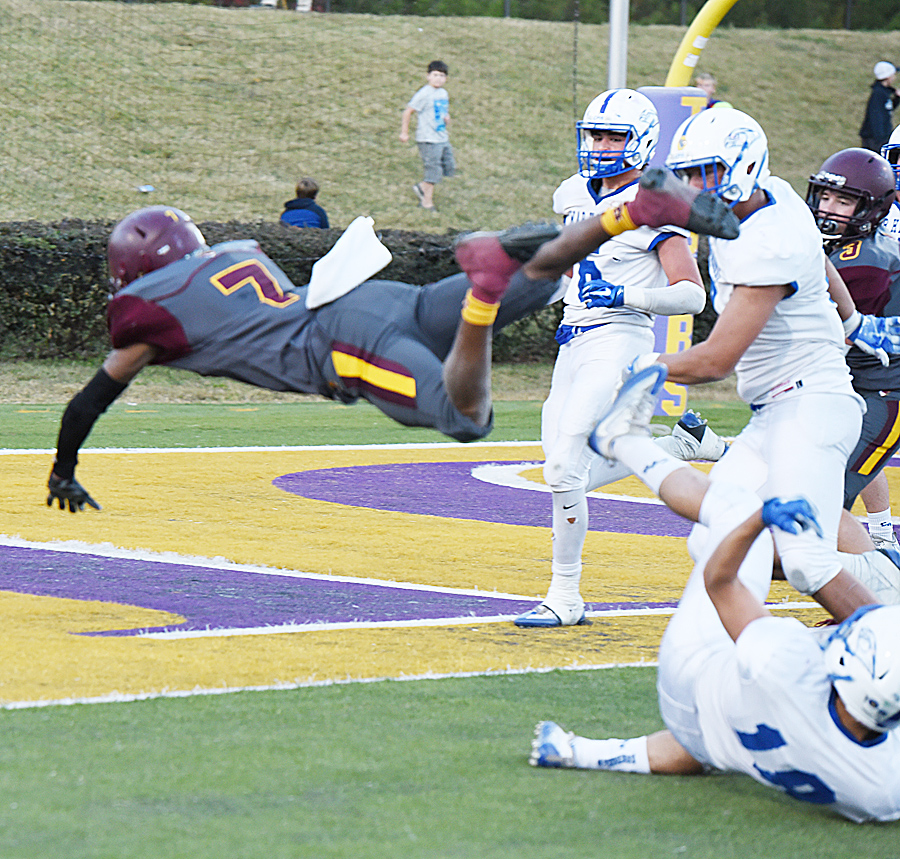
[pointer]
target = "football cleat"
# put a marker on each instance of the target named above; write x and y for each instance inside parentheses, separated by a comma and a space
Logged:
(888, 545)
(630, 411)
(696, 440)
(490, 259)
(663, 198)
(551, 746)
(523, 241)
(544, 617)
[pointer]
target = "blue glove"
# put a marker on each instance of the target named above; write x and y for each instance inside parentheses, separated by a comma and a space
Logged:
(791, 514)
(891, 330)
(599, 293)
(871, 337)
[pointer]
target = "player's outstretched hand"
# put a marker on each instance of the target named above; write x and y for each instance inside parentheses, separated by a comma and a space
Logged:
(69, 492)
(791, 514)
(663, 198)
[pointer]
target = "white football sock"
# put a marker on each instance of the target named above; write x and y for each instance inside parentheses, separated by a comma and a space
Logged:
(570, 524)
(650, 463)
(628, 756)
(880, 524)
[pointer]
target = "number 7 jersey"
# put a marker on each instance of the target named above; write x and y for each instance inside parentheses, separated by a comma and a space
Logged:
(229, 311)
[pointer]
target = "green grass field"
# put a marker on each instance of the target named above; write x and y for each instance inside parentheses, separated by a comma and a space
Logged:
(273, 424)
(221, 110)
(420, 768)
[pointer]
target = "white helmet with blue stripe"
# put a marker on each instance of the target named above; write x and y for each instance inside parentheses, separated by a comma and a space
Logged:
(891, 151)
(722, 137)
(627, 112)
(863, 658)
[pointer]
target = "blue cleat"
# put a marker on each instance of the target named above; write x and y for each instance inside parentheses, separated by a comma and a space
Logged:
(696, 440)
(544, 617)
(631, 410)
(551, 747)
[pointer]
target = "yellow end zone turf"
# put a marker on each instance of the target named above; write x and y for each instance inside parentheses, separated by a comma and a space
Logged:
(223, 505)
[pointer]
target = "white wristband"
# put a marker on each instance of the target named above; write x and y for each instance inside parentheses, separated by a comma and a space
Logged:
(851, 323)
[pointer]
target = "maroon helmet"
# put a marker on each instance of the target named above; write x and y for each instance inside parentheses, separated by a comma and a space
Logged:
(859, 173)
(147, 240)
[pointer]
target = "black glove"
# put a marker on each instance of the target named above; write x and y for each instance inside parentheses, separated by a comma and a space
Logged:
(69, 491)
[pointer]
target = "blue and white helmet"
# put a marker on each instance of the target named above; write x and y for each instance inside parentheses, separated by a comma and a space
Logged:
(863, 658)
(891, 151)
(625, 111)
(723, 136)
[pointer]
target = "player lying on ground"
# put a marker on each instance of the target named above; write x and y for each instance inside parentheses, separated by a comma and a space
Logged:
(230, 311)
(809, 712)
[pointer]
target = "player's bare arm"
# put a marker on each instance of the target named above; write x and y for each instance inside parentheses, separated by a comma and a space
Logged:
(743, 318)
(838, 291)
(573, 244)
(866, 332)
(678, 262)
(736, 605)
(124, 364)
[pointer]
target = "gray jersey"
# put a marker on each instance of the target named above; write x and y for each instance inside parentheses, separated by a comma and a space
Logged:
(227, 312)
(230, 311)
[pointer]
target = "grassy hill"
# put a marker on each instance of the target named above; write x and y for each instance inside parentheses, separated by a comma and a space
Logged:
(222, 109)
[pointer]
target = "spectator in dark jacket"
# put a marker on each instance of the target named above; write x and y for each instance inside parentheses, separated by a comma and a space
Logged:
(303, 211)
(877, 126)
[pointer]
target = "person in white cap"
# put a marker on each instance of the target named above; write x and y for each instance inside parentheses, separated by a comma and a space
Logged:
(877, 125)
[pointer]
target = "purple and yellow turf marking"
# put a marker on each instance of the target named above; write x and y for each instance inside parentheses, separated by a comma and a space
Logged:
(450, 489)
(74, 618)
(226, 599)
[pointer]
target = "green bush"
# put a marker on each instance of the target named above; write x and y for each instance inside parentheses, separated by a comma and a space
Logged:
(53, 290)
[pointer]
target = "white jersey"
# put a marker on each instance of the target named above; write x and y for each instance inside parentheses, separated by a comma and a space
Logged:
(622, 261)
(766, 708)
(801, 345)
(891, 223)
